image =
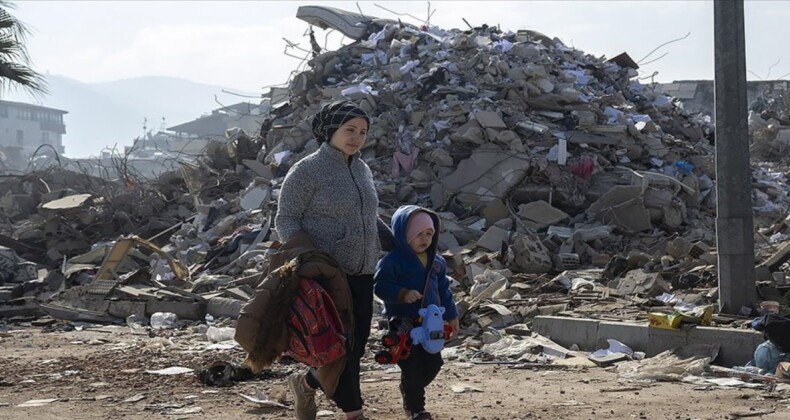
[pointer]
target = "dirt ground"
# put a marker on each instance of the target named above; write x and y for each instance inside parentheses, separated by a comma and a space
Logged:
(92, 373)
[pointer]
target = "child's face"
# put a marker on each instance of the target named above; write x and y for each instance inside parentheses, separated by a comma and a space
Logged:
(422, 241)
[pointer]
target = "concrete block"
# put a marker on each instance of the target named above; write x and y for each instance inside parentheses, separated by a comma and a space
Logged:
(184, 310)
(20, 307)
(567, 331)
(630, 334)
(662, 340)
(737, 346)
(124, 308)
(224, 307)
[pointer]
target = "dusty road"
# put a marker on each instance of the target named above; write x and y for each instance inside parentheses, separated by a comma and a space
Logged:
(100, 373)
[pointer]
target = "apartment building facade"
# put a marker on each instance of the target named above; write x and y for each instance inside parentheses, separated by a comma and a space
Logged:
(25, 127)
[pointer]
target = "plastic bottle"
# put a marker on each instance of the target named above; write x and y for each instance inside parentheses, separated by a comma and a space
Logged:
(219, 334)
(163, 320)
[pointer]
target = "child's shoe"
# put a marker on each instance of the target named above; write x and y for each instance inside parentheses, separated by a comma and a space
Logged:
(422, 415)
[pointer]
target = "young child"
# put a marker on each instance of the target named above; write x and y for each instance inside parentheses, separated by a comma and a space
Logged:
(400, 282)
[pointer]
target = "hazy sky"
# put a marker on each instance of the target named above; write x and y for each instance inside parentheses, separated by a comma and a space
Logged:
(240, 44)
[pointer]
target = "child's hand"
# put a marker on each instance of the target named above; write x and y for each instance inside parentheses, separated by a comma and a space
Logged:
(454, 327)
(412, 296)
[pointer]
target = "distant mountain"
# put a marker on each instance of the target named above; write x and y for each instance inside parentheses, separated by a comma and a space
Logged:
(111, 114)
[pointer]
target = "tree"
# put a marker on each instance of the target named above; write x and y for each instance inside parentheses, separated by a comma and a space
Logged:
(15, 70)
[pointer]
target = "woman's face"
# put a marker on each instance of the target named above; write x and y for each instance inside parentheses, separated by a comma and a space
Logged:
(350, 137)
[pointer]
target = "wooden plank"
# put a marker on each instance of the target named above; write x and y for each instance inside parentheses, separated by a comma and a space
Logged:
(778, 258)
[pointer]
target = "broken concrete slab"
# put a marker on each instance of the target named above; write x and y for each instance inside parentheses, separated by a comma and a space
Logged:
(540, 214)
(488, 174)
(350, 24)
(58, 311)
(623, 207)
(495, 211)
(488, 119)
(529, 255)
(494, 315)
(641, 283)
(778, 258)
(624, 60)
(493, 239)
(254, 198)
(68, 203)
(259, 168)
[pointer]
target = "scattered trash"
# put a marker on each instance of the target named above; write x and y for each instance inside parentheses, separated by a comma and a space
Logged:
(220, 334)
(617, 352)
(162, 320)
(463, 388)
(263, 400)
(671, 365)
(183, 411)
(135, 398)
(223, 374)
(37, 403)
(175, 370)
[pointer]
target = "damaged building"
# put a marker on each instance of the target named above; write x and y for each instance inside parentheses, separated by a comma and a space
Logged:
(24, 128)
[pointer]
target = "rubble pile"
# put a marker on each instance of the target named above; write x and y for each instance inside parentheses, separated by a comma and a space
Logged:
(538, 157)
(769, 125)
(55, 212)
(565, 186)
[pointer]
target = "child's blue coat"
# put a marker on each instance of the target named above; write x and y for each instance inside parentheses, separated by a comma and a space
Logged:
(401, 270)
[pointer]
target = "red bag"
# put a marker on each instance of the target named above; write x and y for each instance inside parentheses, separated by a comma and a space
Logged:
(317, 334)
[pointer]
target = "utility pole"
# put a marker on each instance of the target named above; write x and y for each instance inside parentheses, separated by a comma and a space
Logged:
(734, 223)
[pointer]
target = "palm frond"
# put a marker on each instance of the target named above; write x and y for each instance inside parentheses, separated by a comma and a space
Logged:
(15, 70)
(14, 75)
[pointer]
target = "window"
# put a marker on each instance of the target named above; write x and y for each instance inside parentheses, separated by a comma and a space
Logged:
(24, 114)
(45, 137)
(3, 111)
(20, 137)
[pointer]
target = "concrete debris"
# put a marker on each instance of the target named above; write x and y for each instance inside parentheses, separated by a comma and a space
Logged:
(540, 214)
(565, 187)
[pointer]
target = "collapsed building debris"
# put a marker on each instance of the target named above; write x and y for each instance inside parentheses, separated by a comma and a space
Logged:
(564, 184)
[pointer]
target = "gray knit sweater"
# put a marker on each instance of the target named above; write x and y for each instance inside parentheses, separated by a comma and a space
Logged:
(335, 202)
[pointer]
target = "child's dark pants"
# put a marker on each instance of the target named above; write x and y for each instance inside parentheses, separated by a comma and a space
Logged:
(417, 372)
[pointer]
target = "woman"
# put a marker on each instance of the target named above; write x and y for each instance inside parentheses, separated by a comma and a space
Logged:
(331, 196)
